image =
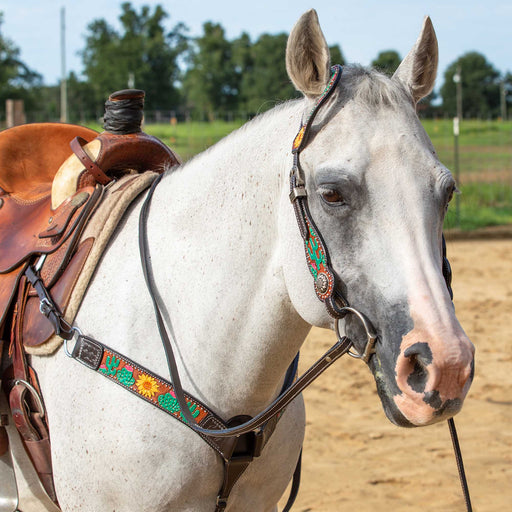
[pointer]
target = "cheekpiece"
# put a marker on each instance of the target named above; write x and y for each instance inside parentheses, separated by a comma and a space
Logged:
(316, 252)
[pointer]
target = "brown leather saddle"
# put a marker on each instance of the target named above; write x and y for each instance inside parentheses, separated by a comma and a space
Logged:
(48, 192)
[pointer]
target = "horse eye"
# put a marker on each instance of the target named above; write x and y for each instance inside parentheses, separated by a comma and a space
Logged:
(332, 196)
(452, 189)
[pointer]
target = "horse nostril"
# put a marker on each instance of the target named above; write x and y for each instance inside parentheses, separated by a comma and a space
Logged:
(420, 356)
(420, 351)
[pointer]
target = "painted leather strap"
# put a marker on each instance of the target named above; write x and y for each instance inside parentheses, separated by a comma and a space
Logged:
(144, 384)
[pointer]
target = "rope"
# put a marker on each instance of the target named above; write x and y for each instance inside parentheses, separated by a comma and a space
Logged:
(460, 464)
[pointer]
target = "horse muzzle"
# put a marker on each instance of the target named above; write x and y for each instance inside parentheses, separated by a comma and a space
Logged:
(433, 376)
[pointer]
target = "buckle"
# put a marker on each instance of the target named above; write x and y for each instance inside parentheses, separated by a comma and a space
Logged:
(37, 397)
(299, 191)
(221, 503)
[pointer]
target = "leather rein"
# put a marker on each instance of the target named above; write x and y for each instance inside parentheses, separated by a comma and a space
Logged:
(224, 436)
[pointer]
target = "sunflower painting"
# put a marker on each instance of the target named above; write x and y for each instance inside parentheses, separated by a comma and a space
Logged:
(146, 385)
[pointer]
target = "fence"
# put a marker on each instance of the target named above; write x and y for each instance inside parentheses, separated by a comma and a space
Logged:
(485, 170)
(485, 156)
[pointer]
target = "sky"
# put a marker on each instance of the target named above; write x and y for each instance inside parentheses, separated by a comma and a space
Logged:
(362, 28)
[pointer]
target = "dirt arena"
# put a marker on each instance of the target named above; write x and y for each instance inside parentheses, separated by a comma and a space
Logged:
(355, 460)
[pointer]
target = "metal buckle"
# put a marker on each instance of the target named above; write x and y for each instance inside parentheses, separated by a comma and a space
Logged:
(76, 334)
(371, 336)
(299, 191)
(45, 307)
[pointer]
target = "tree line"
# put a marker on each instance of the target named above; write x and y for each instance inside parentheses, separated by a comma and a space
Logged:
(209, 75)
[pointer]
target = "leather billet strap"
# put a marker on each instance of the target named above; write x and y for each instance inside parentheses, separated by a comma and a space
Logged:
(317, 255)
(447, 269)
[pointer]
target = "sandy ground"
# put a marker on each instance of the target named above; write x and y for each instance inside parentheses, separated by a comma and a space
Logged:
(356, 460)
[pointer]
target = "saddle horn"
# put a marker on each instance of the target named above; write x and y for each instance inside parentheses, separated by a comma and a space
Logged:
(123, 147)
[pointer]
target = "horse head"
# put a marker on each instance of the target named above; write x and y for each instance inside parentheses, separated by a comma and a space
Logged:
(378, 194)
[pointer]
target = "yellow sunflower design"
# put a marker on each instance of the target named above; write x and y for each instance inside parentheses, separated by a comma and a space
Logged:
(146, 385)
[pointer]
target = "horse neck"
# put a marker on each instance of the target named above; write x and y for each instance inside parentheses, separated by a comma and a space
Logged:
(218, 265)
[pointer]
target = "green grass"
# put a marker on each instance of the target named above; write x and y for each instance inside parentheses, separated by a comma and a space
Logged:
(188, 139)
(485, 170)
(481, 205)
(485, 158)
(484, 146)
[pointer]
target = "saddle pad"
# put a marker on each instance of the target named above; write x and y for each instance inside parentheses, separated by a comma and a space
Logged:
(95, 237)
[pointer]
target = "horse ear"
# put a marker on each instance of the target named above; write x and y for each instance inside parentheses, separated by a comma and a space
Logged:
(418, 70)
(308, 61)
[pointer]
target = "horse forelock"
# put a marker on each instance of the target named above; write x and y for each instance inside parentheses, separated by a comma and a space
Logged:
(372, 89)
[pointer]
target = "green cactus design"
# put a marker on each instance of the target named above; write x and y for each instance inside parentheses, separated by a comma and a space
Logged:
(193, 409)
(170, 403)
(125, 376)
(315, 254)
(110, 367)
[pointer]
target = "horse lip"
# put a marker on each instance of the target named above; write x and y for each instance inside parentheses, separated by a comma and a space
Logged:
(391, 410)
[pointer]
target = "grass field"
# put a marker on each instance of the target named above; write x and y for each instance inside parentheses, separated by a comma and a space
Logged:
(485, 166)
(485, 162)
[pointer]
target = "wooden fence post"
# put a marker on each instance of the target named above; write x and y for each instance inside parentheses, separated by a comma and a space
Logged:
(14, 113)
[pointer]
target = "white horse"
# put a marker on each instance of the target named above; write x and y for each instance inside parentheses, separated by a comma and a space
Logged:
(228, 260)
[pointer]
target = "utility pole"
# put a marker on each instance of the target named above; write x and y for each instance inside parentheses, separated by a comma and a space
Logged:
(457, 78)
(503, 98)
(63, 81)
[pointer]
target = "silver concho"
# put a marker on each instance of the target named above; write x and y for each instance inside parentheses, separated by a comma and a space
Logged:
(322, 282)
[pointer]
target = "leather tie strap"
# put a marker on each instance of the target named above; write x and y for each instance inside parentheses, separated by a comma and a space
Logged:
(77, 147)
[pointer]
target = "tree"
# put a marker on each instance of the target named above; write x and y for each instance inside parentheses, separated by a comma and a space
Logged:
(265, 82)
(143, 52)
(387, 61)
(336, 55)
(212, 83)
(16, 78)
(479, 84)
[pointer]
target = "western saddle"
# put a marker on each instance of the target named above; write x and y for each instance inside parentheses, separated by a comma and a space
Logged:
(48, 193)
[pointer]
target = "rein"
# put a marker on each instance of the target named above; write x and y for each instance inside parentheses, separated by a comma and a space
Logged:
(224, 436)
